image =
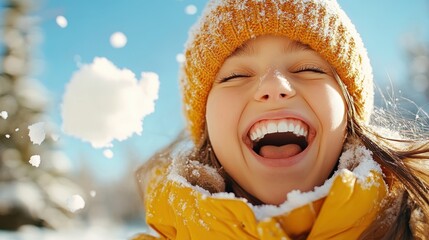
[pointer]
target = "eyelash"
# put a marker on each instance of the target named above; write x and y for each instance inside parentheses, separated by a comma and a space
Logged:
(314, 69)
(232, 76)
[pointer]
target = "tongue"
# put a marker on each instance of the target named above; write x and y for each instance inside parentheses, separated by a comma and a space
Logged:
(285, 151)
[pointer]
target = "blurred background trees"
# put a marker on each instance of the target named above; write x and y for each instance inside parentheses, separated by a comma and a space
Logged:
(39, 195)
(417, 51)
(29, 195)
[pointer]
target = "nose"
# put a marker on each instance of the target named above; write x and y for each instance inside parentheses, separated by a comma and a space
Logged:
(274, 86)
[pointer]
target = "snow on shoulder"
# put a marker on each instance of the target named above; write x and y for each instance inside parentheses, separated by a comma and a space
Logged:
(103, 103)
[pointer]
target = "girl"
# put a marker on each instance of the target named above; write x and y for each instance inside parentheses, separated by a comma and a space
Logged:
(278, 96)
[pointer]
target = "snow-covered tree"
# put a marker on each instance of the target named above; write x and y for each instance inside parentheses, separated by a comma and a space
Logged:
(33, 186)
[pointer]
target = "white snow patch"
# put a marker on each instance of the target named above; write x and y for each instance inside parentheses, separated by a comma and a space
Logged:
(37, 132)
(61, 21)
(191, 9)
(226, 195)
(295, 199)
(75, 202)
(196, 173)
(173, 176)
(35, 160)
(118, 40)
(4, 114)
(103, 103)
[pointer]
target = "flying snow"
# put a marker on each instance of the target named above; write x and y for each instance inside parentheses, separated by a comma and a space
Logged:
(108, 153)
(55, 137)
(103, 103)
(191, 9)
(75, 203)
(37, 132)
(118, 40)
(61, 21)
(3, 114)
(35, 160)
(92, 193)
(180, 58)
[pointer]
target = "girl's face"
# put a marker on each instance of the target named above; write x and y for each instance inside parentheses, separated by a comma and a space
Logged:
(276, 118)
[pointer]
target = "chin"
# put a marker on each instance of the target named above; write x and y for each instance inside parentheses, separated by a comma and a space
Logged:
(275, 200)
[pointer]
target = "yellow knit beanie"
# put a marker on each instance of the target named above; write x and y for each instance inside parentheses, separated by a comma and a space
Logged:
(226, 24)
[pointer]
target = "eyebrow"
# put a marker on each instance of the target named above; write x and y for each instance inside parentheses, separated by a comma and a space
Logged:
(244, 50)
(293, 46)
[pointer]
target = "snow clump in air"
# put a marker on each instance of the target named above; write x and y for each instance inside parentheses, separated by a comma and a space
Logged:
(35, 160)
(61, 21)
(108, 153)
(4, 114)
(103, 103)
(92, 193)
(191, 9)
(75, 203)
(37, 132)
(180, 58)
(118, 40)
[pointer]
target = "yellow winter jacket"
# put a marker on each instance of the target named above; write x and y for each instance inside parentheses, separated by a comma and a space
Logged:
(175, 209)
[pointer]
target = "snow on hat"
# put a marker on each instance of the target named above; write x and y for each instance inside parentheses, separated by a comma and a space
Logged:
(226, 24)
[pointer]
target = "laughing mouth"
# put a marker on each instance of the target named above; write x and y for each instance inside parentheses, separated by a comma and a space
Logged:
(279, 139)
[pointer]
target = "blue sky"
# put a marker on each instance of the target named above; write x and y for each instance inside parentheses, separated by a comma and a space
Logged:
(156, 31)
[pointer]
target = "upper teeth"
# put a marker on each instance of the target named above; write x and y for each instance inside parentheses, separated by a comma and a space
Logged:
(260, 129)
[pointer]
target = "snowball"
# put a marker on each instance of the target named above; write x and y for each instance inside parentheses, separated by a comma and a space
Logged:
(118, 40)
(37, 132)
(191, 9)
(61, 21)
(180, 58)
(75, 203)
(4, 114)
(35, 160)
(108, 153)
(103, 103)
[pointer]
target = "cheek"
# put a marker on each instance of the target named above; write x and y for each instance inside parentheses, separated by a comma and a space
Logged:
(331, 109)
(223, 111)
(222, 114)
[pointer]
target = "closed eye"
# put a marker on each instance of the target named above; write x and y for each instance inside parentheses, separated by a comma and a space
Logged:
(313, 69)
(233, 76)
